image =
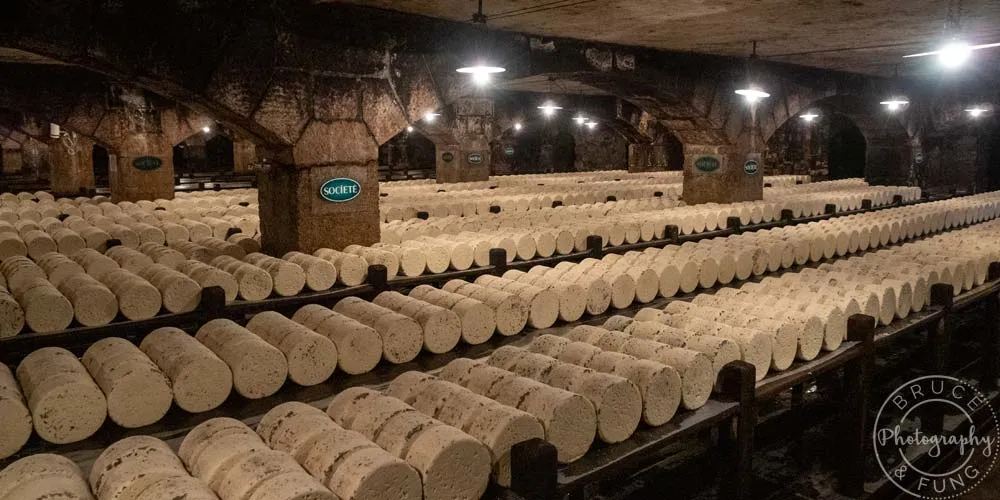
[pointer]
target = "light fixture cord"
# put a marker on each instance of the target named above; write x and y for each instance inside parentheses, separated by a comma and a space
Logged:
(479, 17)
(953, 24)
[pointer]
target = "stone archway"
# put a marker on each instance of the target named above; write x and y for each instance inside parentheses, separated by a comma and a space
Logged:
(831, 146)
(211, 151)
(407, 155)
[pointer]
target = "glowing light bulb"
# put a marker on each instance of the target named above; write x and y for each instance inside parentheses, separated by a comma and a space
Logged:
(480, 78)
(481, 74)
(430, 116)
(549, 109)
(580, 120)
(206, 129)
(592, 125)
(895, 104)
(517, 126)
(976, 112)
(808, 117)
(409, 129)
(954, 54)
(753, 95)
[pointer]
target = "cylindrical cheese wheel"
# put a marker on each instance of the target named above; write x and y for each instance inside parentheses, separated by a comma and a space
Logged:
(179, 292)
(359, 347)
(289, 278)
(66, 405)
(402, 337)
(259, 369)
(14, 413)
(320, 274)
(137, 392)
(199, 379)
(452, 464)
(351, 269)
(311, 357)
(441, 327)
(477, 319)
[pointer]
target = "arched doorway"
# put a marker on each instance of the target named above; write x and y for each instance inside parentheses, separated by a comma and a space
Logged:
(847, 149)
(219, 154)
(830, 146)
(674, 151)
(407, 155)
(543, 146)
(101, 160)
(204, 153)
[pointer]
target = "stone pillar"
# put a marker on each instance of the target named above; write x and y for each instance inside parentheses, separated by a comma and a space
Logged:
(468, 158)
(294, 213)
(465, 162)
(72, 164)
(12, 161)
(244, 156)
(720, 172)
(714, 173)
(143, 169)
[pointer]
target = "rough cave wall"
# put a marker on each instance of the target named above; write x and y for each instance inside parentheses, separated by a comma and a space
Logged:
(798, 148)
(952, 162)
(600, 149)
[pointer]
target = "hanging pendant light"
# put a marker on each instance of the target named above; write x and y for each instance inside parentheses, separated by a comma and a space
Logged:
(549, 107)
(809, 116)
(976, 111)
(955, 52)
(752, 92)
(896, 101)
(482, 72)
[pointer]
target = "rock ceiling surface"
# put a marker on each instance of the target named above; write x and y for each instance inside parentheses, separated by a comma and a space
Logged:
(863, 36)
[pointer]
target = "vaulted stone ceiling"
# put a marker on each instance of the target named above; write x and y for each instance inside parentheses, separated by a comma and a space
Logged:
(863, 36)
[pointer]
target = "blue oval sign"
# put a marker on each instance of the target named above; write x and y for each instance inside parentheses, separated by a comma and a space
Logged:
(147, 163)
(340, 190)
(707, 164)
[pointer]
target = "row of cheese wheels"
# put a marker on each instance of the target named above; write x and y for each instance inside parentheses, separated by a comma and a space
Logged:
(35, 239)
(532, 179)
(355, 336)
(412, 228)
(845, 195)
(593, 286)
(129, 222)
(406, 189)
(458, 203)
(554, 216)
(568, 235)
(807, 311)
(210, 262)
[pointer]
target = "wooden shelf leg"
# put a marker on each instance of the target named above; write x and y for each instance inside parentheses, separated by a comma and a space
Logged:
(738, 384)
(855, 432)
